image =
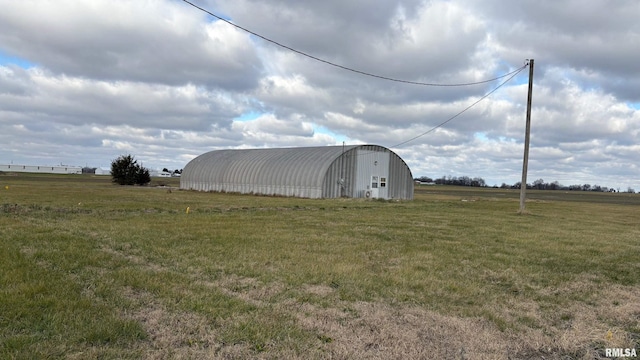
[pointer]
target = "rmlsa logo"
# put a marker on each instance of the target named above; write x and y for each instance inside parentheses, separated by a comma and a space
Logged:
(620, 352)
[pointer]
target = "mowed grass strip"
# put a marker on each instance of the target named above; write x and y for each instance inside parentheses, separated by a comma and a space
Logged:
(95, 270)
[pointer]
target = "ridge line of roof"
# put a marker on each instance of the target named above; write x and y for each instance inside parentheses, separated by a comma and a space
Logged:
(304, 147)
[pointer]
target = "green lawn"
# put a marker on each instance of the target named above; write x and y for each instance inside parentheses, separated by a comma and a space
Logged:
(94, 270)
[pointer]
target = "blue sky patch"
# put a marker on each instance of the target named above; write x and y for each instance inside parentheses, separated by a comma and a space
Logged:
(481, 136)
(6, 59)
(323, 130)
(249, 116)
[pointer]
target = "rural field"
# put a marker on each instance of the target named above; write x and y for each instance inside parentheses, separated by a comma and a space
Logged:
(92, 270)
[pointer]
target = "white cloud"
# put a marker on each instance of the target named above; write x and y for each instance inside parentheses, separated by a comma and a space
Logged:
(165, 82)
(149, 41)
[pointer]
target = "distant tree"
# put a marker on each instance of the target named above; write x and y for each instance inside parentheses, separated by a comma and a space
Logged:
(143, 176)
(165, 170)
(125, 170)
(478, 182)
(539, 184)
(460, 181)
(176, 171)
(555, 186)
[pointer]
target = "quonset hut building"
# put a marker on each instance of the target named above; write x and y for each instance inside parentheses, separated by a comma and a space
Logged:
(355, 171)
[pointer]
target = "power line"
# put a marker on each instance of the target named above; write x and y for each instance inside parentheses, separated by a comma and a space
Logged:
(514, 73)
(509, 75)
(342, 66)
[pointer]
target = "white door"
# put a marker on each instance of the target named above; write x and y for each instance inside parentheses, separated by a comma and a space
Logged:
(375, 186)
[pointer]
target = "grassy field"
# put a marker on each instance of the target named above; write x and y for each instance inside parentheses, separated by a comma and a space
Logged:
(92, 270)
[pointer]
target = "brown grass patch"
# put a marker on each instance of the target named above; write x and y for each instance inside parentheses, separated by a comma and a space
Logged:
(176, 334)
(126, 253)
(378, 331)
(364, 330)
(319, 290)
(247, 289)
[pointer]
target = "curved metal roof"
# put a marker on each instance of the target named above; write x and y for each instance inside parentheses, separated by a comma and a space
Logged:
(261, 168)
(280, 171)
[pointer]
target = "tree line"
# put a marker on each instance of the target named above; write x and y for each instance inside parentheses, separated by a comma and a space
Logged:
(538, 184)
(454, 180)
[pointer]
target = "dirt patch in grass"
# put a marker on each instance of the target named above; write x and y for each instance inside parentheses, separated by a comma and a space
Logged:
(247, 289)
(377, 331)
(608, 316)
(319, 290)
(173, 334)
(125, 251)
(374, 330)
(612, 320)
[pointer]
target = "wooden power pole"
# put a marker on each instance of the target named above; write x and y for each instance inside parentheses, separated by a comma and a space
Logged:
(525, 162)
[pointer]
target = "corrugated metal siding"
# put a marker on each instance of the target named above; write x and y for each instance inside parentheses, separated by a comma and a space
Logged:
(312, 172)
(400, 179)
(338, 180)
(288, 171)
(372, 161)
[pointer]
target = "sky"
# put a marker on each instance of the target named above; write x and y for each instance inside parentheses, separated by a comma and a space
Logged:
(85, 81)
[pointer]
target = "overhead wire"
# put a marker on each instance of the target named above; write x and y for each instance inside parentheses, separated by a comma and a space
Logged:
(509, 75)
(514, 73)
(342, 66)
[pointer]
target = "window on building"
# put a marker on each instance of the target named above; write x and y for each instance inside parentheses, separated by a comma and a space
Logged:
(383, 182)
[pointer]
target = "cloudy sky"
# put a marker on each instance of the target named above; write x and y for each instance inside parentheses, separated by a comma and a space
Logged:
(85, 81)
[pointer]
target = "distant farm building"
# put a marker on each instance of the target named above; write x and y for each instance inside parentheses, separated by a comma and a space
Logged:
(59, 169)
(103, 171)
(164, 174)
(356, 171)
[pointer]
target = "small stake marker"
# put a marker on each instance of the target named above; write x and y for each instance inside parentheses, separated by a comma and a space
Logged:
(188, 209)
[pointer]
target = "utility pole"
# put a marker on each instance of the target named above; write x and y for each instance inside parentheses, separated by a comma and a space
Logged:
(525, 162)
